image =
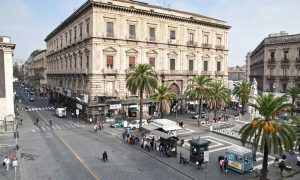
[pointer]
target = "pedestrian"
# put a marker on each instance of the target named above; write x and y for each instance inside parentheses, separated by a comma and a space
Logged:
(105, 156)
(91, 120)
(7, 162)
(95, 128)
(225, 164)
(199, 164)
(99, 124)
(221, 165)
(161, 150)
(282, 167)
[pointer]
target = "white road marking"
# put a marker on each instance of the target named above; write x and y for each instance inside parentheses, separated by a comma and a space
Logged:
(53, 127)
(67, 126)
(58, 127)
(218, 149)
(184, 132)
(33, 130)
(37, 129)
(260, 165)
(48, 127)
(43, 129)
(39, 108)
(189, 129)
(29, 109)
(259, 159)
(72, 126)
(76, 125)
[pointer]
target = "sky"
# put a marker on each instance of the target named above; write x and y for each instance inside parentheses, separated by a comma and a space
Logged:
(28, 22)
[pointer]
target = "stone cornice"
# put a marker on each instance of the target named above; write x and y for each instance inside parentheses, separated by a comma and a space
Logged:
(7, 46)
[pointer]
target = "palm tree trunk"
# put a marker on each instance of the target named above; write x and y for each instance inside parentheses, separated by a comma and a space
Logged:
(141, 109)
(161, 109)
(293, 102)
(200, 107)
(264, 170)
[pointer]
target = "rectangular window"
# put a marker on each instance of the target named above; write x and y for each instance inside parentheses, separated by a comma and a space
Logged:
(191, 38)
(87, 61)
(191, 65)
(75, 33)
(80, 59)
(271, 71)
(131, 62)
(66, 36)
(219, 41)
(80, 31)
(61, 40)
(173, 35)
(66, 61)
(205, 66)
(271, 86)
(110, 62)
(218, 66)
(70, 37)
(285, 55)
(75, 62)
(284, 87)
(152, 61)
(272, 56)
(152, 34)
(87, 28)
(285, 72)
(131, 31)
(109, 87)
(110, 29)
(205, 39)
(172, 64)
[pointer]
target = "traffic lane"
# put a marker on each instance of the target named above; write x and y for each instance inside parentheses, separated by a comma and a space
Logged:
(46, 157)
(124, 162)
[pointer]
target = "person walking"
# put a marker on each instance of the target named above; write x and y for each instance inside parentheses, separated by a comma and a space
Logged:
(225, 164)
(105, 156)
(199, 164)
(282, 167)
(221, 165)
(95, 129)
(91, 120)
(7, 162)
(99, 124)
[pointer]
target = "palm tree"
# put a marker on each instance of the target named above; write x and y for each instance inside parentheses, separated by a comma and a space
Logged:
(143, 79)
(242, 90)
(296, 123)
(219, 95)
(293, 92)
(199, 89)
(163, 95)
(266, 130)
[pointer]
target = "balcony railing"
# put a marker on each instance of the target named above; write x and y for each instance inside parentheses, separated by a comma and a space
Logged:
(271, 77)
(152, 39)
(110, 71)
(220, 73)
(285, 61)
(172, 41)
(191, 43)
(206, 72)
(271, 61)
(220, 47)
(207, 46)
(284, 77)
(178, 72)
(297, 78)
(109, 35)
(132, 37)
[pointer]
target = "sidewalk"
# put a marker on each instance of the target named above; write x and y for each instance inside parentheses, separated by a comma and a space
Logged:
(7, 148)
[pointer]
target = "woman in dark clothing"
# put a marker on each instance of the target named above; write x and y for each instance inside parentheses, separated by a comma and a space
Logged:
(105, 156)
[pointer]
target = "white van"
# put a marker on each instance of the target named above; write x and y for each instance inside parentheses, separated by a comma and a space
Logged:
(61, 112)
(136, 124)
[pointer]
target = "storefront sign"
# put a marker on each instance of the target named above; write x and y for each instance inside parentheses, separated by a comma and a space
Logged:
(235, 164)
(206, 156)
(115, 106)
(79, 106)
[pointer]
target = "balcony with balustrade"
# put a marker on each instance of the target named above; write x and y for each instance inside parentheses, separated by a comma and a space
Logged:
(220, 47)
(206, 72)
(272, 61)
(206, 46)
(109, 71)
(220, 73)
(192, 43)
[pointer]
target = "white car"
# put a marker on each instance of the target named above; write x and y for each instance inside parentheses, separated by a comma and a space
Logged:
(136, 124)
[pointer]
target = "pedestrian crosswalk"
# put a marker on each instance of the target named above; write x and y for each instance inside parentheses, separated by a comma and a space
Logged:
(39, 108)
(57, 127)
(184, 132)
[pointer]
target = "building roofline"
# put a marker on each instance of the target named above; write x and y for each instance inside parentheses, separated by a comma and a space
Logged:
(90, 3)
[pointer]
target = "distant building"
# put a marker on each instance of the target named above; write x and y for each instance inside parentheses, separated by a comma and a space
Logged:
(237, 73)
(275, 62)
(7, 112)
(247, 61)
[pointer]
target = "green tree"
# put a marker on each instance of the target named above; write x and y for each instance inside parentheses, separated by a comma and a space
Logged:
(296, 123)
(199, 89)
(16, 70)
(266, 130)
(164, 96)
(219, 95)
(293, 92)
(142, 79)
(242, 90)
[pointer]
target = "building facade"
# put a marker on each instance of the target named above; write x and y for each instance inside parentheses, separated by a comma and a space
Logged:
(35, 71)
(90, 53)
(7, 113)
(237, 73)
(247, 61)
(275, 63)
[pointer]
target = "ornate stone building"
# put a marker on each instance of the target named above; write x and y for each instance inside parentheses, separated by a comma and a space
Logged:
(275, 62)
(89, 54)
(7, 113)
(35, 71)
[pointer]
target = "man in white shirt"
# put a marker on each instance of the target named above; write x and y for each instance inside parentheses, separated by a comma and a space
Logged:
(7, 162)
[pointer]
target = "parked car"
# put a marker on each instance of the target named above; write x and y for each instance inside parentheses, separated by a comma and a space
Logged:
(136, 124)
(191, 112)
(203, 115)
(117, 124)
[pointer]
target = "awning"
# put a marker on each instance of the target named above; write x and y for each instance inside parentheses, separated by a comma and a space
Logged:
(171, 127)
(149, 127)
(133, 110)
(161, 134)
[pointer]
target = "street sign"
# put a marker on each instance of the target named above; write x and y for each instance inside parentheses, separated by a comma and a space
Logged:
(16, 135)
(15, 163)
(206, 156)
